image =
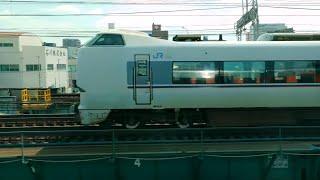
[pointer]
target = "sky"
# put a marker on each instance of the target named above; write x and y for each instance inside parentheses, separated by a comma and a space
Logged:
(176, 16)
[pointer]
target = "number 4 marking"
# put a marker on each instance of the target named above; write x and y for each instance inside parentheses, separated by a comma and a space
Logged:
(137, 162)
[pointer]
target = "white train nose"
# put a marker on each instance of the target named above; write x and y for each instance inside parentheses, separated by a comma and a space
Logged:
(90, 116)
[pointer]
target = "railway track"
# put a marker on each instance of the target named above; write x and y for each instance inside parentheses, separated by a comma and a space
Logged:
(157, 136)
(38, 120)
(65, 98)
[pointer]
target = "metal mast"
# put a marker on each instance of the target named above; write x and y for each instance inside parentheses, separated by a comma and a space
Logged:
(247, 17)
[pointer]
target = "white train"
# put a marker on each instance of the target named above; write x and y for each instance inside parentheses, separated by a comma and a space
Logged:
(129, 77)
(289, 37)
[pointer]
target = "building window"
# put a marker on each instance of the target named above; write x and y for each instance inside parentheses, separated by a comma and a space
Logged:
(109, 39)
(50, 67)
(9, 67)
(6, 44)
(14, 67)
(61, 67)
(33, 67)
(72, 68)
(194, 72)
(294, 71)
(245, 72)
(5, 67)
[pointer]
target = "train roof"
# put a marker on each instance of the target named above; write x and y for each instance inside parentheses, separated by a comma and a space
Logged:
(124, 32)
(269, 36)
(293, 34)
(136, 39)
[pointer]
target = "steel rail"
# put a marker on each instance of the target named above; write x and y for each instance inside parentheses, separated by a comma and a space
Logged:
(91, 136)
(20, 121)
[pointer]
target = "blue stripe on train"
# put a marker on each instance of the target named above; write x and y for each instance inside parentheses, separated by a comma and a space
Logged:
(161, 72)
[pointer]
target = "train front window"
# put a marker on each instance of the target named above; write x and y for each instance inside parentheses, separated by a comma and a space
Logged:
(109, 39)
(294, 71)
(243, 72)
(194, 73)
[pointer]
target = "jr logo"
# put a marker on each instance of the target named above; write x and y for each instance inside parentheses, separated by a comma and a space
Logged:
(158, 55)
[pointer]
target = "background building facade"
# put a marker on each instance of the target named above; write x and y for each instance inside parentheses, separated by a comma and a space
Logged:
(25, 63)
(71, 43)
(72, 65)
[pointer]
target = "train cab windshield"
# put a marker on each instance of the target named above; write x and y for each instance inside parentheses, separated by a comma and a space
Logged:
(107, 40)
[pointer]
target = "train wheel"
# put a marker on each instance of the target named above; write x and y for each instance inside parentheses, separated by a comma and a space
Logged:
(132, 123)
(183, 125)
(183, 121)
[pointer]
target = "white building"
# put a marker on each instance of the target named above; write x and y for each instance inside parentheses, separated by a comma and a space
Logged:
(25, 63)
(72, 64)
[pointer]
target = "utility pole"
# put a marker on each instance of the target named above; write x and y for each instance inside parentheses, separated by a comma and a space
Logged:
(59, 72)
(39, 71)
(247, 17)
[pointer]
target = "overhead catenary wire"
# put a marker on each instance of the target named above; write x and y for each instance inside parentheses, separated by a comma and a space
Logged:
(69, 34)
(95, 31)
(90, 36)
(289, 4)
(146, 14)
(155, 13)
(93, 2)
(216, 4)
(168, 27)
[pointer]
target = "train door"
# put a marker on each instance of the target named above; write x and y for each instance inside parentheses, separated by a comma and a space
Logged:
(142, 85)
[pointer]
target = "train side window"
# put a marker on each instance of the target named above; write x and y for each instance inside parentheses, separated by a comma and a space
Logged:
(294, 71)
(317, 64)
(109, 39)
(280, 72)
(194, 72)
(246, 72)
(305, 71)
